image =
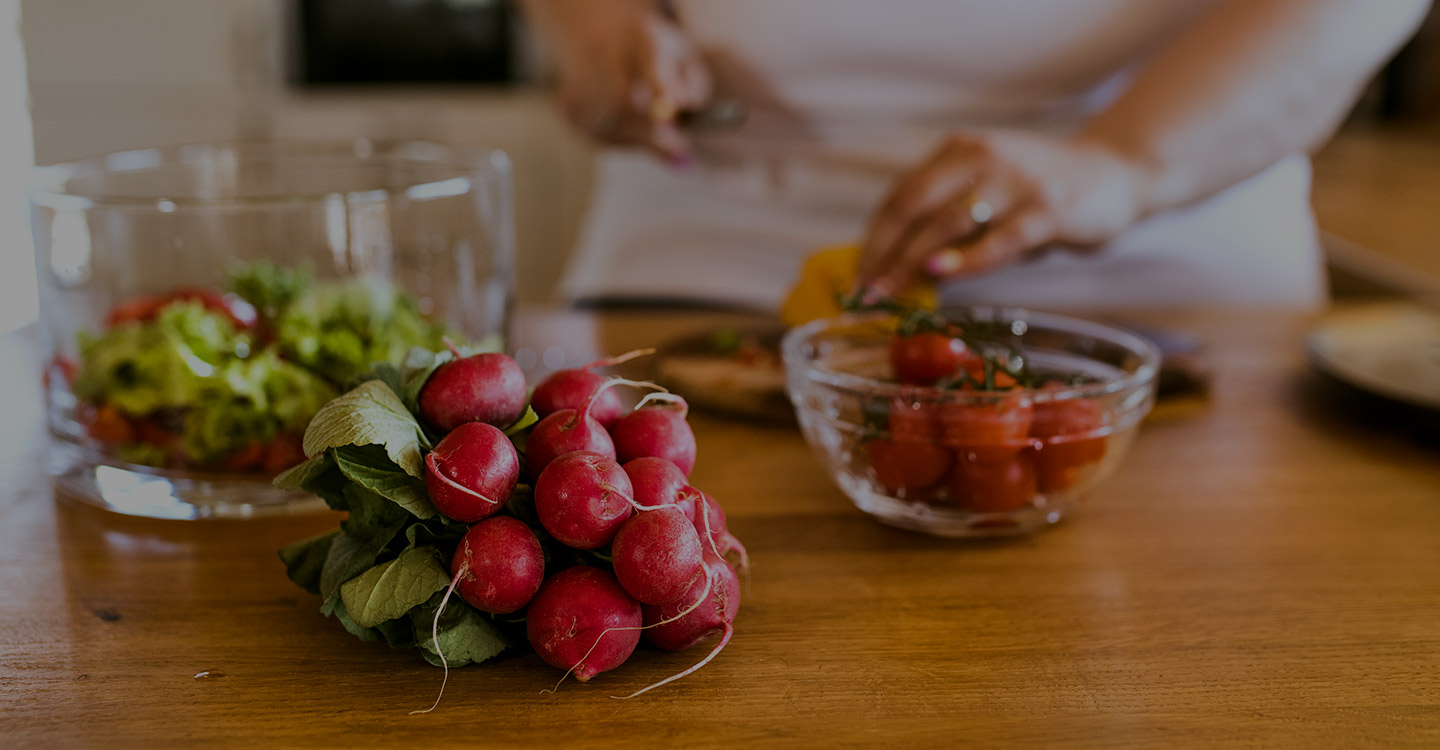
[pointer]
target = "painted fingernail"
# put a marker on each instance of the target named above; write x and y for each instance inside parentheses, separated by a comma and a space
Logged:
(875, 291)
(944, 263)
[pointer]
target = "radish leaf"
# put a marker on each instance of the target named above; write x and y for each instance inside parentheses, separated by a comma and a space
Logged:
(465, 636)
(370, 467)
(371, 414)
(392, 588)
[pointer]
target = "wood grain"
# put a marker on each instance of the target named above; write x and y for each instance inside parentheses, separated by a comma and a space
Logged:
(1378, 186)
(1261, 574)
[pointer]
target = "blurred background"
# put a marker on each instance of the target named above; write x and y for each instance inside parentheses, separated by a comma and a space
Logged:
(83, 77)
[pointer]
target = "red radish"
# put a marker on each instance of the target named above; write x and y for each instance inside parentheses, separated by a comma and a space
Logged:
(714, 615)
(709, 607)
(487, 388)
(582, 499)
(657, 555)
(659, 431)
(562, 432)
(499, 564)
(658, 481)
(583, 621)
(472, 472)
(570, 389)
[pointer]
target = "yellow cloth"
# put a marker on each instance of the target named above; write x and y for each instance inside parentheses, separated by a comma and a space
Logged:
(827, 276)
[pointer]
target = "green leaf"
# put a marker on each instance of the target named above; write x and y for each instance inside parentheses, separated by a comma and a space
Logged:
(299, 475)
(387, 373)
(363, 633)
(371, 414)
(465, 636)
(524, 422)
(305, 560)
(370, 467)
(437, 532)
(373, 520)
(346, 559)
(392, 588)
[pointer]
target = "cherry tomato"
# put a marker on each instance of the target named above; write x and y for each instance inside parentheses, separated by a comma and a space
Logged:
(917, 422)
(993, 430)
(284, 451)
(927, 357)
(146, 308)
(908, 466)
(246, 459)
(109, 425)
(1065, 431)
(62, 365)
(136, 310)
(152, 432)
(993, 486)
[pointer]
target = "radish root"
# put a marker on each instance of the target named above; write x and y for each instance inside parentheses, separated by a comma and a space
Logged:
(434, 465)
(724, 641)
(618, 360)
(704, 594)
(668, 397)
(435, 641)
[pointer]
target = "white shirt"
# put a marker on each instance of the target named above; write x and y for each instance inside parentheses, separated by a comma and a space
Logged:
(844, 95)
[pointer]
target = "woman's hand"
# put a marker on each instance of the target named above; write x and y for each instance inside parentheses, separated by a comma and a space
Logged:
(984, 200)
(625, 70)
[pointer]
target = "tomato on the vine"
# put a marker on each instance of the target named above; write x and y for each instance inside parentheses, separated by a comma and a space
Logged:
(993, 486)
(993, 430)
(907, 466)
(1068, 443)
(927, 357)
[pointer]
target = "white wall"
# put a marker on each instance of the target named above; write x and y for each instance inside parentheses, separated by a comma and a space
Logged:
(107, 75)
(17, 267)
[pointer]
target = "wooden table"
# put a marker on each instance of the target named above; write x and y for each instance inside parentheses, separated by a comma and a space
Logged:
(1263, 573)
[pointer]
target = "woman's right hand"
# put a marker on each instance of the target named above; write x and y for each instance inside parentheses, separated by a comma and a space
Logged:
(625, 71)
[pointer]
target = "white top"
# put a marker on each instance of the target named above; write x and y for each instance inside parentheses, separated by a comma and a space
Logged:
(846, 94)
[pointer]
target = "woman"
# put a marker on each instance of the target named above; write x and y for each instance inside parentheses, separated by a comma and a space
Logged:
(1158, 145)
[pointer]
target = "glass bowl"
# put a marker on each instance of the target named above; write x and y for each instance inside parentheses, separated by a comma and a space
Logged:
(197, 303)
(967, 462)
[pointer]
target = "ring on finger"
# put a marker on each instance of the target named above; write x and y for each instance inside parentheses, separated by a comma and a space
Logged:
(980, 210)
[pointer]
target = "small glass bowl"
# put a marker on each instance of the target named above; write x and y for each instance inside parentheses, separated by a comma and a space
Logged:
(970, 463)
(430, 222)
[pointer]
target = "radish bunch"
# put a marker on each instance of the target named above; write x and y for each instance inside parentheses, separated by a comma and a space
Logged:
(600, 553)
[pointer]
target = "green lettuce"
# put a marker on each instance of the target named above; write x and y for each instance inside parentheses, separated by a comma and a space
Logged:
(142, 368)
(338, 329)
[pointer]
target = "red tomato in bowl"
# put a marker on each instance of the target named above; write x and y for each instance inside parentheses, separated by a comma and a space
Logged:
(993, 486)
(1067, 441)
(927, 357)
(908, 467)
(910, 457)
(994, 430)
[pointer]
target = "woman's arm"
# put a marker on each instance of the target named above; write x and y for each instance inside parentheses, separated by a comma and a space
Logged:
(1246, 84)
(625, 70)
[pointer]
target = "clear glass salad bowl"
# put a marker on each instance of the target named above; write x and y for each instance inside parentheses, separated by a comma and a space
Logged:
(964, 461)
(198, 303)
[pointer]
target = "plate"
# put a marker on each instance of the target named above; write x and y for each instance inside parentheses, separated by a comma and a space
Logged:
(731, 371)
(1390, 350)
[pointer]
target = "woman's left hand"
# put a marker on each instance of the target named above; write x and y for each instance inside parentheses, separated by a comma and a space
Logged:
(984, 200)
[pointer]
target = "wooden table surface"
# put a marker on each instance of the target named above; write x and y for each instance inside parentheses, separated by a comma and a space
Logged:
(1265, 572)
